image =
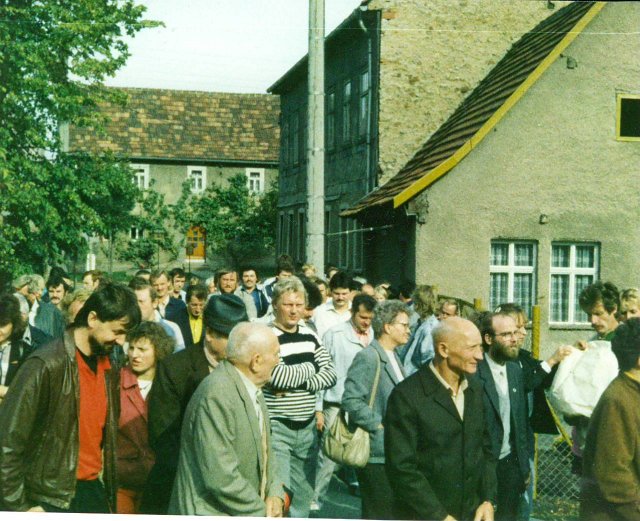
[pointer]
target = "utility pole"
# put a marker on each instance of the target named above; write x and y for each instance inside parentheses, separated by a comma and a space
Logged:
(315, 133)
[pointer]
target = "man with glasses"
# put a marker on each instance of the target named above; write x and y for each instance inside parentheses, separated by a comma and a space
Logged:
(505, 408)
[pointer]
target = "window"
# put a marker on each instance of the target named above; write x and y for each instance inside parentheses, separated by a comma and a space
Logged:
(628, 124)
(363, 113)
(290, 234)
(141, 176)
(328, 238)
(301, 253)
(198, 176)
(255, 180)
(331, 120)
(343, 249)
(282, 232)
(573, 267)
(346, 112)
(294, 152)
(285, 143)
(136, 233)
(512, 273)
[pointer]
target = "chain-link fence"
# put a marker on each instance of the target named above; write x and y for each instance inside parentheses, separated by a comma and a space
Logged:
(557, 488)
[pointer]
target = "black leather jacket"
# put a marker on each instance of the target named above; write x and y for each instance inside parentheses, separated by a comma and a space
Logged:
(39, 439)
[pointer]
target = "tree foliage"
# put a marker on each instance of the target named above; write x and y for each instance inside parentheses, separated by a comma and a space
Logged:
(54, 57)
(238, 224)
(151, 218)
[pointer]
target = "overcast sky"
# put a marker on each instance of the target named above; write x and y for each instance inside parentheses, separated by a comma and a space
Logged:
(222, 45)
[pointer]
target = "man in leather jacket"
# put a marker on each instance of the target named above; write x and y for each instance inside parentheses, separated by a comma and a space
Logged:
(59, 419)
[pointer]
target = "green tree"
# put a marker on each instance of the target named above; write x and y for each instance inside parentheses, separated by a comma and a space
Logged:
(54, 57)
(151, 219)
(238, 224)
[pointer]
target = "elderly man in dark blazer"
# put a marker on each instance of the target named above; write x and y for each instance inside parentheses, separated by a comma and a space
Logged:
(226, 466)
(177, 378)
(438, 450)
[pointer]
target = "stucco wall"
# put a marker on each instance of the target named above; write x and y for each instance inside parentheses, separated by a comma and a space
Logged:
(433, 53)
(169, 178)
(554, 153)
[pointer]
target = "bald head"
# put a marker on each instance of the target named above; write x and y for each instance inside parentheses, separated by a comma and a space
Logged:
(457, 346)
(254, 350)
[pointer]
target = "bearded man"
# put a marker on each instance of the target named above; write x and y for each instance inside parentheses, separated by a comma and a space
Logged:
(59, 418)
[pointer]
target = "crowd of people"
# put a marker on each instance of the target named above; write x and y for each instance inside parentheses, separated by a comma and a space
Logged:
(214, 397)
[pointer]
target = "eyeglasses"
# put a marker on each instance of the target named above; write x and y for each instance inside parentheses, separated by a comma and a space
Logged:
(403, 324)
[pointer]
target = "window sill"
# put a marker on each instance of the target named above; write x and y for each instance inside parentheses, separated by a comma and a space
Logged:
(571, 327)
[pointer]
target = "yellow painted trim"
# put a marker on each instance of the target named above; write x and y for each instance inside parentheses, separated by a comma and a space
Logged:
(619, 99)
(444, 167)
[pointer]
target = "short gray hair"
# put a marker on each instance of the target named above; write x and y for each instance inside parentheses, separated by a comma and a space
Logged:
(34, 283)
(386, 312)
(246, 339)
(288, 285)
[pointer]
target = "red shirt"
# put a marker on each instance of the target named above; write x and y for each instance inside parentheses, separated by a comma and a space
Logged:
(93, 417)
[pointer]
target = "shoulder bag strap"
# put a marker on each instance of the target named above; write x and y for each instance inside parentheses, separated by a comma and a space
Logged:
(376, 380)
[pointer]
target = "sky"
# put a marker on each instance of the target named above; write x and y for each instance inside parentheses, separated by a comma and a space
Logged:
(222, 45)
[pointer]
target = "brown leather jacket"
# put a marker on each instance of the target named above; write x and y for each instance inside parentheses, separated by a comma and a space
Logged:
(39, 440)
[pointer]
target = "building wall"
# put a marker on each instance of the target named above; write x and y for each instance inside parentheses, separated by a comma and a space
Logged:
(349, 157)
(432, 55)
(554, 153)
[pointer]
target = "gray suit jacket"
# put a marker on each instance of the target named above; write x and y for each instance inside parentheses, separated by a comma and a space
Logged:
(220, 465)
(357, 392)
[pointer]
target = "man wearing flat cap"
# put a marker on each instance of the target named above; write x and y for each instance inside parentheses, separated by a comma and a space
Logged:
(177, 378)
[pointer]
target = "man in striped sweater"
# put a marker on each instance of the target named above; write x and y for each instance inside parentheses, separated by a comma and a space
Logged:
(305, 368)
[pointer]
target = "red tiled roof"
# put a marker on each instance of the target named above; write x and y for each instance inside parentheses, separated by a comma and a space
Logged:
(187, 125)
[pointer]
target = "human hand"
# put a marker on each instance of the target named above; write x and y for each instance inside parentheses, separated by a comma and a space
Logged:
(275, 506)
(319, 421)
(582, 345)
(3, 391)
(484, 512)
(37, 508)
(561, 353)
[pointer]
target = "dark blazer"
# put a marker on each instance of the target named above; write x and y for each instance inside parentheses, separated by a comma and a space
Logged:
(181, 318)
(357, 393)
(21, 349)
(536, 380)
(518, 405)
(437, 464)
(177, 378)
(50, 320)
(173, 307)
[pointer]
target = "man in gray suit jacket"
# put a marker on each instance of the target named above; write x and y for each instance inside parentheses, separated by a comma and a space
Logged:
(225, 465)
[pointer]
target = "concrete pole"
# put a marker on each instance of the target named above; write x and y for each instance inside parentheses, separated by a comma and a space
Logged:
(315, 141)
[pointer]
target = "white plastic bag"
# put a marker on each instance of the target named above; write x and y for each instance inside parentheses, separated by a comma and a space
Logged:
(582, 377)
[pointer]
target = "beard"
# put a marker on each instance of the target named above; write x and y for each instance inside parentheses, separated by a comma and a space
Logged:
(99, 349)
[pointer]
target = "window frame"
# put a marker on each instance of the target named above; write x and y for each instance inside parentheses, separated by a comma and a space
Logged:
(261, 180)
(203, 169)
(331, 119)
(511, 269)
(621, 96)
(347, 124)
(139, 168)
(363, 106)
(571, 271)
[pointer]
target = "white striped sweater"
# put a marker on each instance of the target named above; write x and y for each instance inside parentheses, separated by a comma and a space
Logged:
(305, 367)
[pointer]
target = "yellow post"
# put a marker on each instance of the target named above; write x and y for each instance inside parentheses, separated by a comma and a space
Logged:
(535, 331)
(477, 304)
(535, 351)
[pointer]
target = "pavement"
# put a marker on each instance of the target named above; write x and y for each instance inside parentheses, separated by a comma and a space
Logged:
(339, 503)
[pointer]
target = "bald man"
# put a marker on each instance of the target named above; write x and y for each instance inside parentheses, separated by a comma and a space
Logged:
(438, 451)
(226, 467)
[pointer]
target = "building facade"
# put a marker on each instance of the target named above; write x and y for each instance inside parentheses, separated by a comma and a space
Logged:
(394, 71)
(528, 192)
(171, 136)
